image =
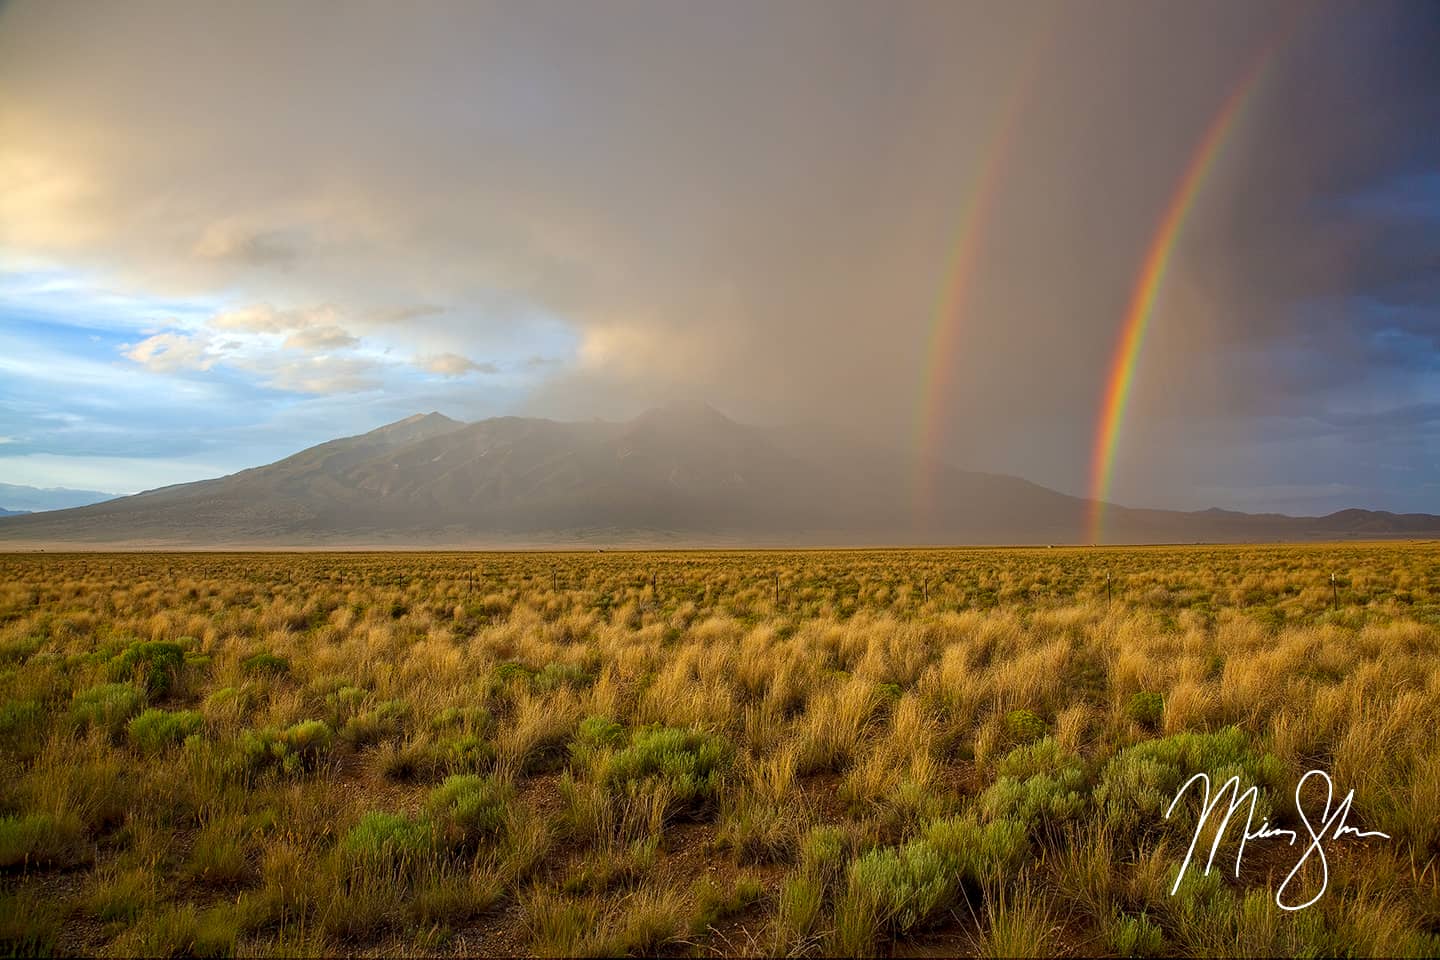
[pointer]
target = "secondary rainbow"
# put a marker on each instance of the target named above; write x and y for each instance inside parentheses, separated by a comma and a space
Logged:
(1151, 280)
(942, 344)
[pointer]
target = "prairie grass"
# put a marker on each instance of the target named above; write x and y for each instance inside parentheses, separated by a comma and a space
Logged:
(654, 753)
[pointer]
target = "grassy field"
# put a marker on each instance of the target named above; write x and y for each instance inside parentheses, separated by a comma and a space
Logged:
(828, 752)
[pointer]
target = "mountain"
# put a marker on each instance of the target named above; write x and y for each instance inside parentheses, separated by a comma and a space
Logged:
(12, 513)
(683, 474)
(17, 499)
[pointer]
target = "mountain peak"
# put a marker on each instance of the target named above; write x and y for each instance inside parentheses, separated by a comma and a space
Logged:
(414, 427)
(434, 416)
(431, 420)
(689, 414)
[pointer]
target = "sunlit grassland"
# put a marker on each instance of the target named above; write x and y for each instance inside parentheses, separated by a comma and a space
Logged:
(829, 752)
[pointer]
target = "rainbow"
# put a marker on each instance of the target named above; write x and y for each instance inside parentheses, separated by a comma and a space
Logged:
(1151, 279)
(943, 341)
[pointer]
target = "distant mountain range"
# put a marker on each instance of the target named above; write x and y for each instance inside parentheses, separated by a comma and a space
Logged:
(676, 475)
(15, 498)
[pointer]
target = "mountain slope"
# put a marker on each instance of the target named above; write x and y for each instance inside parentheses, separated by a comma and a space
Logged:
(677, 474)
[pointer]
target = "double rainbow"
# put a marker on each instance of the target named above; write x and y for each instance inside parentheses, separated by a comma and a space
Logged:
(943, 342)
(1151, 279)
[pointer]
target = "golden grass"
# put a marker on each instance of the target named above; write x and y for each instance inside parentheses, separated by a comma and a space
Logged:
(664, 757)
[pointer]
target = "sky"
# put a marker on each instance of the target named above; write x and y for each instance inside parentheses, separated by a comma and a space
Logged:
(228, 232)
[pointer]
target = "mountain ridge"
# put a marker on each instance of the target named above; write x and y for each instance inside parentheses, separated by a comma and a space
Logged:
(680, 474)
(18, 498)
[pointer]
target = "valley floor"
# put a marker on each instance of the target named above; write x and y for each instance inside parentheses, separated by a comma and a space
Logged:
(909, 752)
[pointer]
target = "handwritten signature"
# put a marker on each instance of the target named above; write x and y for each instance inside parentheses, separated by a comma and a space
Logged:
(1331, 826)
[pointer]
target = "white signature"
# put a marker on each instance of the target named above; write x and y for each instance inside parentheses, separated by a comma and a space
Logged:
(1332, 826)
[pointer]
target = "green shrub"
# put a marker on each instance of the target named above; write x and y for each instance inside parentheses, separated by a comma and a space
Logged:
(19, 650)
(346, 698)
(474, 719)
(556, 675)
(265, 663)
(508, 673)
(470, 808)
(976, 852)
(822, 853)
(216, 931)
(235, 701)
(386, 719)
(1023, 726)
(466, 753)
(292, 750)
(1132, 936)
(595, 733)
(19, 716)
(1138, 784)
(108, 706)
(154, 730)
(1044, 756)
(31, 922)
(309, 737)
(904, 887)
(1146, 709)
(152, 664)
(172, 931)
(123, 896)
(688, 762)
(40, 838)
(1037, 784)
(389, 837)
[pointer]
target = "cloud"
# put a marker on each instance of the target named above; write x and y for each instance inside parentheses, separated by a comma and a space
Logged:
(315, 329)
(390, 315)
(317, 375)
(453, 365)
(250, 345)
(231, 241)
(762, 206)
(170, 352)
(263, 318)
(320, 338)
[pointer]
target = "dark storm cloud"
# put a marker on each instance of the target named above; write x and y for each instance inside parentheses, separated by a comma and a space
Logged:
(760, 204)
